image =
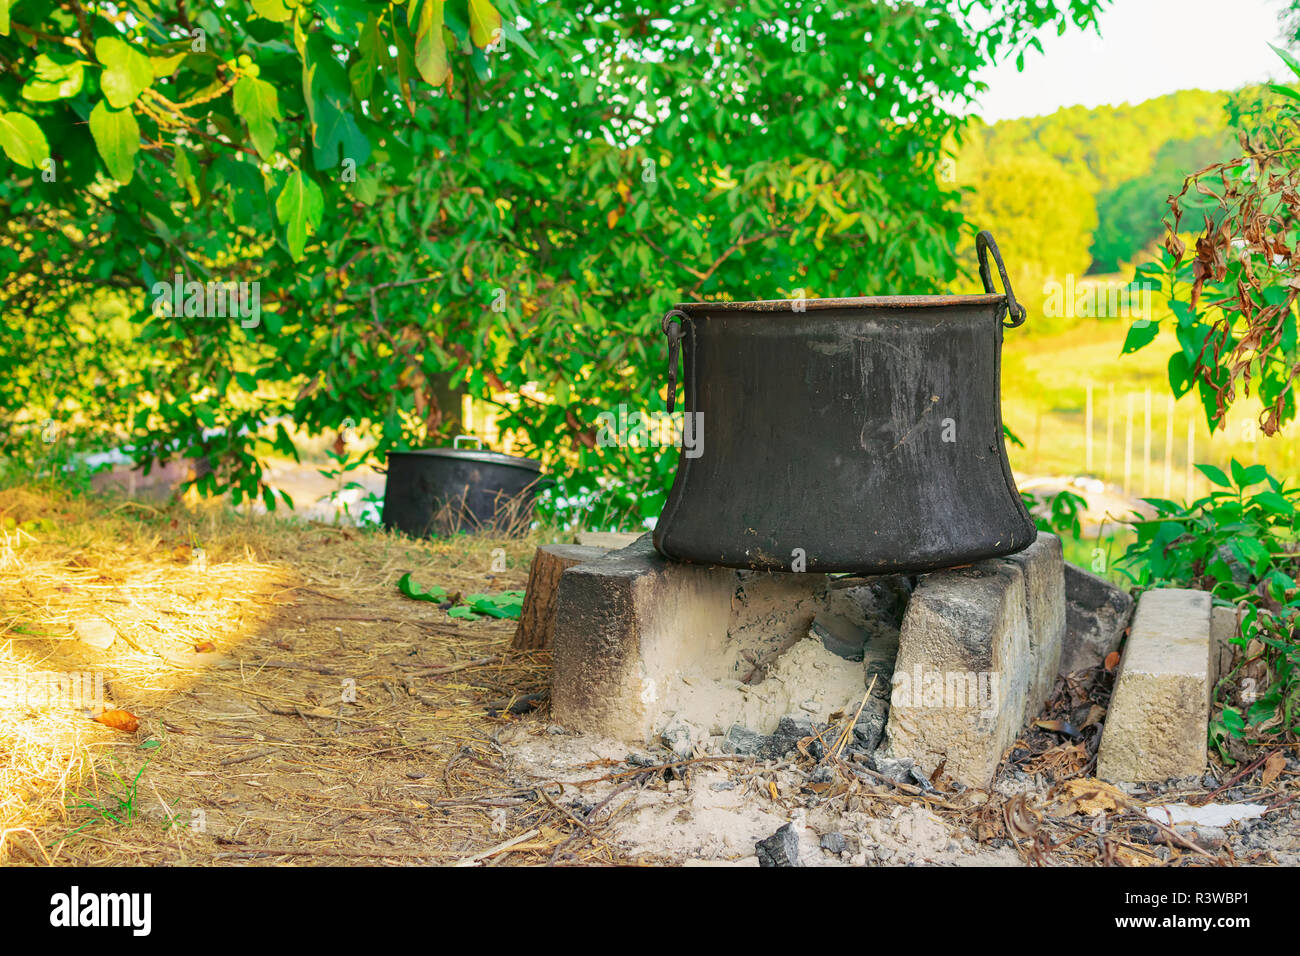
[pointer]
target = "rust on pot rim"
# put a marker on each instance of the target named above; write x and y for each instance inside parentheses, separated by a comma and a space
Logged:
(858, 302)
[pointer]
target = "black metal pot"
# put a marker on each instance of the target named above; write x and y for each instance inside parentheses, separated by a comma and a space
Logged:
(446, 490)
(860, 435)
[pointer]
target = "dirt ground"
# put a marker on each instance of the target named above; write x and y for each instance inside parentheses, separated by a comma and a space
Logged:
(294, 707)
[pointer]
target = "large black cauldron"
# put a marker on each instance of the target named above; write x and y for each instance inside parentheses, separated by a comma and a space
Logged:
(860, 435)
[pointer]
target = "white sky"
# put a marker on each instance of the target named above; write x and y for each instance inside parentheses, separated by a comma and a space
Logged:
(1146, 48)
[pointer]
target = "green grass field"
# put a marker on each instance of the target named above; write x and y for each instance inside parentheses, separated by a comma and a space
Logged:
(1044, 382)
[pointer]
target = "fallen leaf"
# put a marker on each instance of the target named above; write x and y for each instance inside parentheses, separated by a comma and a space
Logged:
(1022, 819)
(407, 586)
(1273, 766)
(182, 553)
(1095, 715)
(96, 632)
(1112, 660)
(122, 720)
(771, 788)
(938, 773)
(1087, 796)
(204, 647)
(1058, 727)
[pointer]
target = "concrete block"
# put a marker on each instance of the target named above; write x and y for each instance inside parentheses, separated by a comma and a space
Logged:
(640, 640)
(964, 670)
(1043, 565)
(1223, 628)
(1096, 613)
(1159, 712)
(614, 540)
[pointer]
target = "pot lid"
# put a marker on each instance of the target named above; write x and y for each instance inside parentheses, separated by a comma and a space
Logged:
(474, 454)
(859, 302)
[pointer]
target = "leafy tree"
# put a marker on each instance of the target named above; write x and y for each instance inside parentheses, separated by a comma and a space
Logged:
(519, 237)
(1104, 146)
(155, 140)
(1043, 218)
(1129, 215)
(1128, 158)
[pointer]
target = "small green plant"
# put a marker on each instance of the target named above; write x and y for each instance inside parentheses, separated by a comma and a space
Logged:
(45, 456)
(1232, 542)
(117, 806)
(345, 464)
(1059, 513)
(1241, 542)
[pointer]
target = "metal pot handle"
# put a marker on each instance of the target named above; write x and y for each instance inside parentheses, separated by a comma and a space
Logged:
(983, 243)
(455, 442)
(671, 324)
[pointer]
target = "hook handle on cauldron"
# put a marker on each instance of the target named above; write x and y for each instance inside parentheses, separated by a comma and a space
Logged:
(983, 243)
(671, 324)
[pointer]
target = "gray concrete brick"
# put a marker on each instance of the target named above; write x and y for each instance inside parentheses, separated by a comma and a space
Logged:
(1159, 712)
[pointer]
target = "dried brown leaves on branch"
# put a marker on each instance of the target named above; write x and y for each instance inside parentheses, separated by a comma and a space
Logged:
(1247, 248)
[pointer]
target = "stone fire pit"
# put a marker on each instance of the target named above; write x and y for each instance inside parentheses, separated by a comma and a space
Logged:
(646, 648)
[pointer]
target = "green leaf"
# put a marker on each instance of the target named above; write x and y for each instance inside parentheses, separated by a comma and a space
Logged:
(127, 71)
(165, 66)
(484, 23)
(1182, 311)
(4, 18)
(1210, 398)
(334, 126)
(1251, 553)
(23, 140)
(272, 10)
(337, 133)
(1140, 334)
(259, 105)
(430, 45)
(511, 33)
(185, 174)
(1180, 375)
(1274, 502)
(407, 586)
(1215, 475)
(1287, 58)
(57, 77)
(1192, 339)
(300, 208)
(117, 136)
(1245, 477)
(373, 55)
(1232, 721)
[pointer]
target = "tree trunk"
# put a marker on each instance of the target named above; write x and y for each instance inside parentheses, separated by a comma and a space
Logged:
(537, 618)
(449, 403)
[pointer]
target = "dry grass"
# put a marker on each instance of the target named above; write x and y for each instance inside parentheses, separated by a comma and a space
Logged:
(246, 750)
(248, 753)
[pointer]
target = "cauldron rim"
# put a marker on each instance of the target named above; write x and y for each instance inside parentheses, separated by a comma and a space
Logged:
(472, 454)
(858, 302)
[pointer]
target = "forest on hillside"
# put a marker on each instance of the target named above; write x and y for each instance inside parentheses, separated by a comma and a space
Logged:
(1082, 191)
